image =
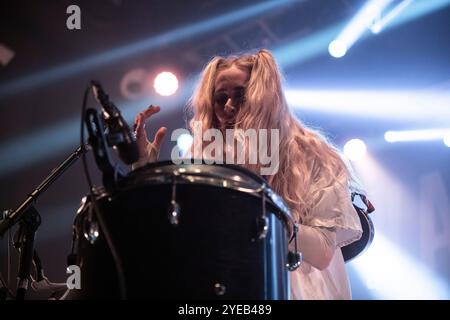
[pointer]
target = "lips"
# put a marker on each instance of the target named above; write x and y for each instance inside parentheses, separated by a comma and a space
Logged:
(226, 120)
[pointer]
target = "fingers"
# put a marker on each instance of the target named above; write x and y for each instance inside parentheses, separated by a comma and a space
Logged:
(159, 136)
(139, 128)
(141, 118)
(147, 113)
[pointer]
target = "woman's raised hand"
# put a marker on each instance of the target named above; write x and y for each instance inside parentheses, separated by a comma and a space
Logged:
(148, 150)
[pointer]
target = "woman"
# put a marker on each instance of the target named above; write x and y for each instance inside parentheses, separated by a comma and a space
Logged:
(244, 92)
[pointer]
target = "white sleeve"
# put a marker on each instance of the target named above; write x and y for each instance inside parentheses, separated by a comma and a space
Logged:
(335, 212)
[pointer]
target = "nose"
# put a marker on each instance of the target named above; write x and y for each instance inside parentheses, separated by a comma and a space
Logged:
(229, 108)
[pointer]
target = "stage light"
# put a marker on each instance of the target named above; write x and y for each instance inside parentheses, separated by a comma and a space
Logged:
(306, 47)
(447, 139)
(418, 9)
(382, 22)
(355, 149)
(166, 83)
(403, 105)
(63, 137)
(184, 142)
(393, 267)
(392, 274)
(358, 25)
(376, 104)
(415, 135)
(133, 84)
(337, 49)
(217, 22)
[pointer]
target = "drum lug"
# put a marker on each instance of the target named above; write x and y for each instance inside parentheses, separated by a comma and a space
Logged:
(174, 207)
(263, 227)
(262, 222)
(174, 212)
(90, 227)
(91, 234)
(219, 289)
(294, 260)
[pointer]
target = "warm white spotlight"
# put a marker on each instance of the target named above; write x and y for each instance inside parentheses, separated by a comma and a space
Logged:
(166, 83)
(184, 142)
(447, 139)
(355, 149)
(337, 49)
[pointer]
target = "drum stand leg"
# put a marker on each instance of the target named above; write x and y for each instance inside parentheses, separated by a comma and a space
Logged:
(24, 241)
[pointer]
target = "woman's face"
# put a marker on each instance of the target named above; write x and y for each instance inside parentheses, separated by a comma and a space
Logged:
(229, 93)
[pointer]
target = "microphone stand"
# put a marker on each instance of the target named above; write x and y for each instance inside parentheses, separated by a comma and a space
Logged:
(29, 220)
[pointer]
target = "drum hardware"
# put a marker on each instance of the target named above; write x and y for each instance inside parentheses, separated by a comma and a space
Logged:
(216, 241)
(219, 289)
(72, 257)
(90, 230)
(24, 243)
(41, 283)
(90, 225)
(100, 141)
(356, 248)
(190, 174)
(294, 259)
(174, 207)
(262, 221)
(4, 285)
(29, 221)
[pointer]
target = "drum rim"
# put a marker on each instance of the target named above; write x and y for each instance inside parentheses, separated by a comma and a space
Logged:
(276, 200)
(202, 162)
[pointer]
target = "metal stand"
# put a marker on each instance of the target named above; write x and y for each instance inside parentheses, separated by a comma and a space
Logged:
(22, 209)
(29, 220)
(24, 242)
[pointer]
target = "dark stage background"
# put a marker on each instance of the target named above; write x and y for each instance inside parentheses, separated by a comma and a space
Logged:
(398, 79)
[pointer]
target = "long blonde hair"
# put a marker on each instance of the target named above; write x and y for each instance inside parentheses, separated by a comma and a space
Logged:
(308, 163)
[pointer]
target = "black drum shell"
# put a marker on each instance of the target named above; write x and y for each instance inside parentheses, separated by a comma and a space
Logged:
(213, 253)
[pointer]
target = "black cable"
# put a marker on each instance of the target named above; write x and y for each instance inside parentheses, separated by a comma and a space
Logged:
(8, 272)
(117, 260)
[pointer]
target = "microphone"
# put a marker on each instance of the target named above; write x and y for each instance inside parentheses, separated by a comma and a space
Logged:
(120, 134)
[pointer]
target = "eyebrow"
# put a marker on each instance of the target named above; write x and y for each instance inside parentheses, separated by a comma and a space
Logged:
(234, 89)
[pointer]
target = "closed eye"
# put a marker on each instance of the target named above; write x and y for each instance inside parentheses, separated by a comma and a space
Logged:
(221, 99)
(238, 96)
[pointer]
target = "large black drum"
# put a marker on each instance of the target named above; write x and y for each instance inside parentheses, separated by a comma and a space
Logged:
(189, 231)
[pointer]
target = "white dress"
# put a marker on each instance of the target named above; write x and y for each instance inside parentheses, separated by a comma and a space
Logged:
(334, 217)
